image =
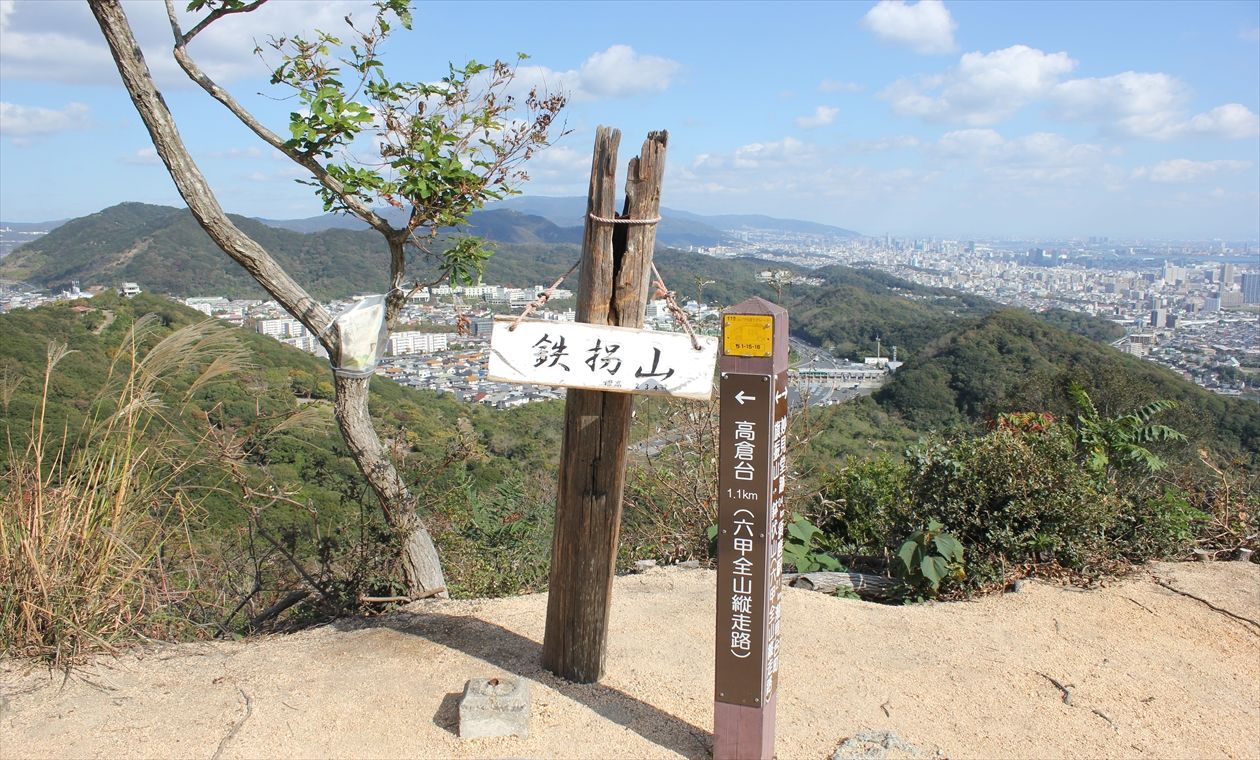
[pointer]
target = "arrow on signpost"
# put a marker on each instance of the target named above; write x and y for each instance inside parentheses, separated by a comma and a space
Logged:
(741, 398)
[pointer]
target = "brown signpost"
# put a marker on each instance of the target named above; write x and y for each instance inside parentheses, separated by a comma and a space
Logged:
(616, 269)
(751, 477)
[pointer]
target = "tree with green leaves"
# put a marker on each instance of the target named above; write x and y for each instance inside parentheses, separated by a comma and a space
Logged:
(1111, 443)
(443, 148)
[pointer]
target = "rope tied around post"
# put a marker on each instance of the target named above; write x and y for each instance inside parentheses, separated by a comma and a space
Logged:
(619, 220)
(673, 308)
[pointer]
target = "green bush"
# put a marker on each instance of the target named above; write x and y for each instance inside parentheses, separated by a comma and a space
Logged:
(1158, 526)
(1022, 498)
(863, 501)
(497, 541)
(1013, 499)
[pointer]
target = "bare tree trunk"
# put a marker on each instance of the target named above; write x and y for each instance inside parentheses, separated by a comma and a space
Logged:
(421, 568)
(420, 560)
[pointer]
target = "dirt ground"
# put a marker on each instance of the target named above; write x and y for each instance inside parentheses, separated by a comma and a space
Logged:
(1151, 673)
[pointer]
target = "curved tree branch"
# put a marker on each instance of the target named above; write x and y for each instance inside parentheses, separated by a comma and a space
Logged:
(192, 184)
(194, 72)
(218, 13)
(421, 566)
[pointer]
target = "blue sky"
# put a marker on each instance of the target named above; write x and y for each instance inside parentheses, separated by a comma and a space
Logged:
(956, 119)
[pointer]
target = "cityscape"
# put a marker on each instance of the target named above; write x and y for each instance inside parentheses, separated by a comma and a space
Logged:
(1193, 308)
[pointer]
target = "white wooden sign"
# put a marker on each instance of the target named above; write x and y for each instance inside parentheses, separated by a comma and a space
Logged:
(594, 357)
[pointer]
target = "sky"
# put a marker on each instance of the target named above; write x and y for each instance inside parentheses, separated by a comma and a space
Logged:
(965, 120)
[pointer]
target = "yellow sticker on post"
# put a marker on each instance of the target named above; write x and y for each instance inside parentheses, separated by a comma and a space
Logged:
(748, 335)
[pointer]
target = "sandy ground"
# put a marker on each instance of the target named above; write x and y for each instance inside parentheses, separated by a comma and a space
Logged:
(1152, 673)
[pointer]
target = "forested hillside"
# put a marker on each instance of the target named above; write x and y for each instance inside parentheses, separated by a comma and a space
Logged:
(1012, 361)
(164, 250)
(277, 409)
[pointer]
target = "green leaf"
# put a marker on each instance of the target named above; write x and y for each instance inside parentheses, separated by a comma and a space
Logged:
(906, 553)
(934, 569)
(801, 529)
(948, 547)
(828, 562)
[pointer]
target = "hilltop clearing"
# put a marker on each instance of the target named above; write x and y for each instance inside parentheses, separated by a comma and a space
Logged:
(1152, 672)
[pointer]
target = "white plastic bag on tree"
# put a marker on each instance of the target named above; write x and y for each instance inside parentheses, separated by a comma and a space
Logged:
(363, 336)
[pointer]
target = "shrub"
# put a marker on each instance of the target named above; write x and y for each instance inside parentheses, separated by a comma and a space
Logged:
(862, 503)
(1023, 499)
(498, 542)
(1013, 499)
(671, 494)
(1157, 525)
(928, 558)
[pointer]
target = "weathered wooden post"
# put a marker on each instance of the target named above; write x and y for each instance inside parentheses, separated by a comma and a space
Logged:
(751, 460)
(616, 268)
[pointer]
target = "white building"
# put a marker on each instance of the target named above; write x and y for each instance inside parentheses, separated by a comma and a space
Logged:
(402, 343)
(308, 343)
(281, 328)
(509, 296)
(129, 290)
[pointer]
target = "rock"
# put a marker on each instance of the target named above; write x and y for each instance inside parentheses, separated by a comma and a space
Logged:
(1203, 555)
(1017, 586)
(1244, 555)
(494, 707)
(880, 745)
(643, 565)
(691, 564)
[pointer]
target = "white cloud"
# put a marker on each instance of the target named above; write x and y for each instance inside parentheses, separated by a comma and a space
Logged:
(278, 173)
(966, 143)
(988, 146)
(617, 72)
(988, 88)
(1027, 164)
(925, 27)
(822, 116)
(559, 170)
(143, 157)
(793, 172)
(250, 152)
(1250, 35)
(1131, 103)
(1149, 106)
(24, 121)
(984, 88)
(1179, 170)
(837, 85)
(61, 42)
(788, 151)
(1232, 121)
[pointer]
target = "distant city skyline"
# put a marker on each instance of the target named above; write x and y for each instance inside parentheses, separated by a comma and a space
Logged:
(962, 120)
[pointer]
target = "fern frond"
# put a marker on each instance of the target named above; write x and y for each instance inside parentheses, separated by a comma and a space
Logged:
(1146, 413)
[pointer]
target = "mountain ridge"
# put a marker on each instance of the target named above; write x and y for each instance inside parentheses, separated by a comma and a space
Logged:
(565, 213)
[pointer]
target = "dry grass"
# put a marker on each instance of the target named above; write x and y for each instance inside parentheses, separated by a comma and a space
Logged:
(93, 527)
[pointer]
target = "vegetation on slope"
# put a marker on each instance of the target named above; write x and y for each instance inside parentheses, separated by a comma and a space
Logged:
(271, 504)
(166, 251)
(1012, 361)
(280, 509)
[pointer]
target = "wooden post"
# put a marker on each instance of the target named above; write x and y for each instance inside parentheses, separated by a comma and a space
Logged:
(616, 272)
(751, 475)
